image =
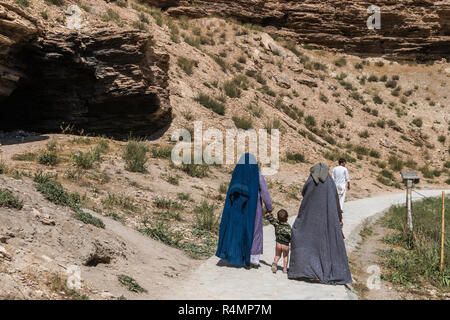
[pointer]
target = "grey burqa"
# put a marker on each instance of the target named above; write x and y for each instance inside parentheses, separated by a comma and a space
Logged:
(317, 245)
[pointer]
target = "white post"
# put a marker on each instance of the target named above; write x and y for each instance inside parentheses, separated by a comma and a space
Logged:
(408, 204)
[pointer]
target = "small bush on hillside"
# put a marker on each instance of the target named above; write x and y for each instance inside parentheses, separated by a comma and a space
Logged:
(195, 170)
(40, 177)
(7, 199)
(340, 62)
(211, 103)
(377, 99)
(187, 65)
(135, 156)
(54, 192)
(395, 163)
(205, 219)
(161, 152)
(22, 3)
(86, 160)
(49, 159)
(417, 122)
(295, 157)
(28, 156)
(89, 219)
(130, 283)
(242, 122)
(364, 134)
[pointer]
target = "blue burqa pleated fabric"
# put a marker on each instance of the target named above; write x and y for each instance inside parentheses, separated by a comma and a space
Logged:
(238, 217)
(317, 245)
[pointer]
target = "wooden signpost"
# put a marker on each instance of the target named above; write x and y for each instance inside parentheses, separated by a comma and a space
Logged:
(409, 179)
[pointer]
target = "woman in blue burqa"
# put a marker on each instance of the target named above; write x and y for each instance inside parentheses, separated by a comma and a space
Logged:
(317, 244)
(241, 234)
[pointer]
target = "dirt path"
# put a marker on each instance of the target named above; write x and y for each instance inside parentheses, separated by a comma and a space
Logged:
(213, 281)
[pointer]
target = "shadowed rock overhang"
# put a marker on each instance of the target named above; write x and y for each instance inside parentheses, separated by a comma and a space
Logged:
(106, 82)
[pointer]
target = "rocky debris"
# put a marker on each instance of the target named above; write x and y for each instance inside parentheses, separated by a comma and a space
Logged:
(6, 237)
(4, 254)
(106, 81)
(268, 43)
(282, 81)
(305, 81)
(44, 219)
(409, 29)
(73, 17)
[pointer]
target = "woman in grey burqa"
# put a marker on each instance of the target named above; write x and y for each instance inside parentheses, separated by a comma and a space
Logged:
(317, 244)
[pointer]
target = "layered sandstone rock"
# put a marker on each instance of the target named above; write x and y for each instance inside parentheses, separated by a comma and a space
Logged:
(109, 82)
(409, 28)
(16, 30)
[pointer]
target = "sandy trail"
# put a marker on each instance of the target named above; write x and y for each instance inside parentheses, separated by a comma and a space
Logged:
(213, 281)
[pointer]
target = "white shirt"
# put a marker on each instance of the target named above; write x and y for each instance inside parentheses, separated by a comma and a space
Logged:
(340, 175)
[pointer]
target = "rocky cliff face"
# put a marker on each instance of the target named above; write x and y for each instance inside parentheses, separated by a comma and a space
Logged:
(109, 82)
(410, 29)
(16, 30)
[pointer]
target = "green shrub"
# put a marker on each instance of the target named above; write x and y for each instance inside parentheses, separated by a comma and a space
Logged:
(22, 3)
(161, 152)
(49, 159)
(55, 193)
(210, 103)
(223, 65)
(417, 122)
(195, 170)
(205, 219)
(86, 160)
(340, 62)
(28, 156)
(414, 258)
(395, 163)
(40, 177)
(135, 156)
(364, 134)
(295, 157)
(242, 122)
(110, 15)
(377, 99)
(231, 89)
(310, 121)
(372, 78)
(187, 65)
(130, 283)
(7, 199)
(89, 219)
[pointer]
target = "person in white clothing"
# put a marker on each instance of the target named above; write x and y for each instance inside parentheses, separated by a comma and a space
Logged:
(342, 180)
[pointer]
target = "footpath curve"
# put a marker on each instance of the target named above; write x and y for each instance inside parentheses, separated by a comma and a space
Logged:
(211, 280)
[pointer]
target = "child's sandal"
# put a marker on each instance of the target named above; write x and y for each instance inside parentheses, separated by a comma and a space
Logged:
(274, 267)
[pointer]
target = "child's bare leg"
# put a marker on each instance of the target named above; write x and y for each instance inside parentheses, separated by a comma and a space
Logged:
(285, 258)
(278, 251)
